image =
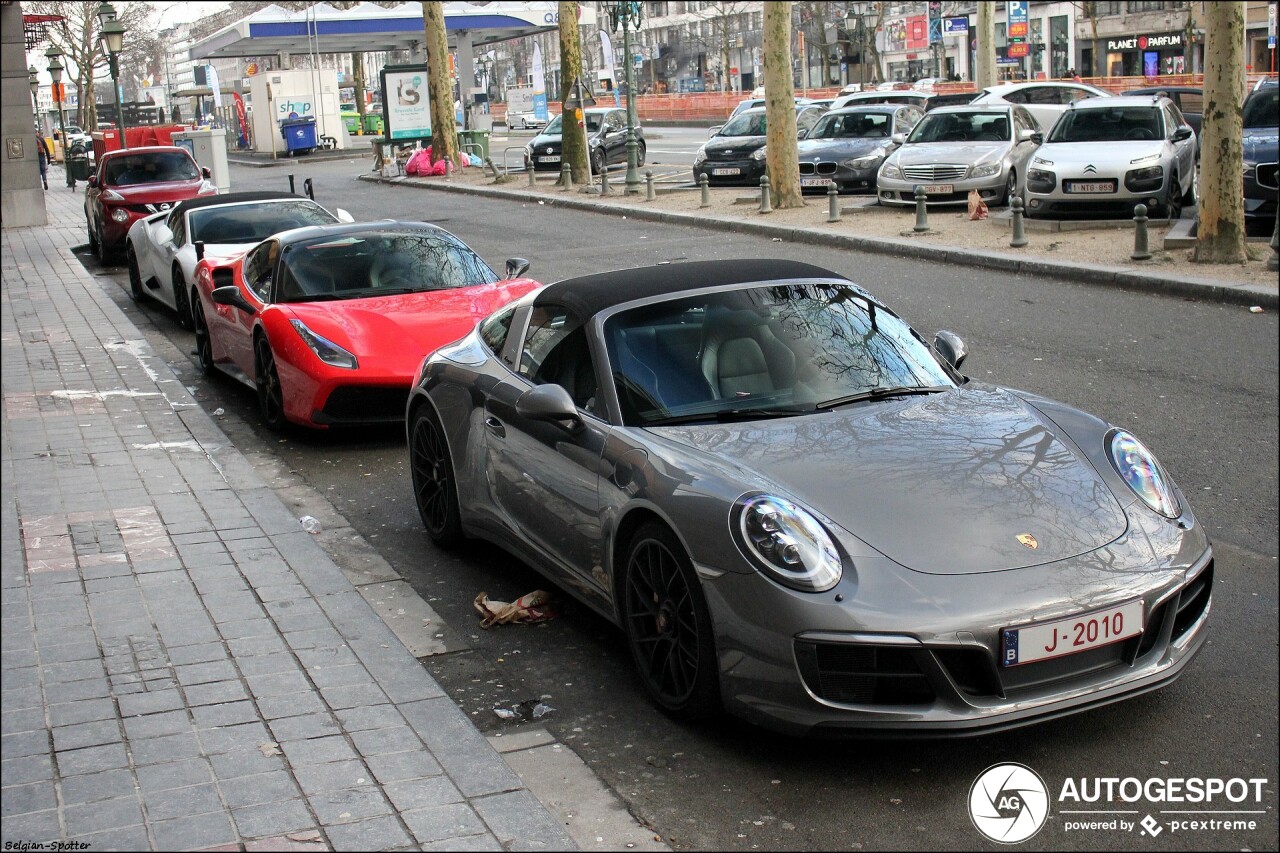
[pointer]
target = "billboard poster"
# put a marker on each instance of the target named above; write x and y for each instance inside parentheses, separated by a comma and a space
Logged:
(917, 32)
(540, 110)
(405, 102)
(895, 35)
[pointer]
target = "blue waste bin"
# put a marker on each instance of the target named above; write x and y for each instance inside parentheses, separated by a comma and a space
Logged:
(299, 134)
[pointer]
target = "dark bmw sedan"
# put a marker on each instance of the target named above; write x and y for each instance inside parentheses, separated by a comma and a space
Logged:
(606, 137)
(735, 154)
(846, 147)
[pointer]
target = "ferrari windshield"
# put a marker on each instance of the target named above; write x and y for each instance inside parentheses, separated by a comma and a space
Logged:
(763, 351)
(371, 263)
(253, 223)
(1112, 124)
(592, 119)
(962, 127)
(150, 168)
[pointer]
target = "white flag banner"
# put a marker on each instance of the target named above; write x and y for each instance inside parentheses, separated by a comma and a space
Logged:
(606, 48)
(539, 86)
(213, 84)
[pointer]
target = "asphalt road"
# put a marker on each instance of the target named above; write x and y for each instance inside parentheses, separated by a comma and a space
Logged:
(1197, 382)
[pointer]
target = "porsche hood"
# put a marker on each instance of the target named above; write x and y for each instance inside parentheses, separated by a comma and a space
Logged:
(965, 481)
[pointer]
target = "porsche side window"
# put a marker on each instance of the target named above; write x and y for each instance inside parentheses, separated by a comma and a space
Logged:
(568, 364)
(494, 330)
(547, 325)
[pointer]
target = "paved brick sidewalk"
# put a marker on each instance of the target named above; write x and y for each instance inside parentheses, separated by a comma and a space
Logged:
(183, 667)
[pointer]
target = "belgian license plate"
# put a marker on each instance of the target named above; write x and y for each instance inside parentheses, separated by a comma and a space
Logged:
(1090, 186)
(555, 158)
(730, 171)
(1072, 635)
(814, 182)
(936, 189)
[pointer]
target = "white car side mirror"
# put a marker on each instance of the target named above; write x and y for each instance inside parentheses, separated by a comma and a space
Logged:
(163, 234)
(343, 216)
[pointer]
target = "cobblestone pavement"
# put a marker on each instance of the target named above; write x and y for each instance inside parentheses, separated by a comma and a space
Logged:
(183, 667)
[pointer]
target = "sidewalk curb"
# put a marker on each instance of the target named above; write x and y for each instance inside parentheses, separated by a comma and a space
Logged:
(1153, 282)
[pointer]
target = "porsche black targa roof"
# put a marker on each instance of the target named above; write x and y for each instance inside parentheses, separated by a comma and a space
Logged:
(589, 294)
(235, 198)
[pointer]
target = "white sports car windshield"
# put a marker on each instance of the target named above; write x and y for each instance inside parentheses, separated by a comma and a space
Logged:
(253, 223)
(762, 351)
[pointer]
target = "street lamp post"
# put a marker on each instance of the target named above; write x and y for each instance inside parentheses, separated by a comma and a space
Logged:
(55, 73)
(111, 35)
(627, 15)
(33, 79)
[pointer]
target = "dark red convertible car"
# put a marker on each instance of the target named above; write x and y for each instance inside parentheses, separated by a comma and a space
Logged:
(331, 323)
(134, 183)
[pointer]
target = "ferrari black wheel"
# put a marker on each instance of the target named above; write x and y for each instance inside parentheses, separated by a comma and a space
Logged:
(204, 346)
(135, 276)
(181, 303)
(434, 486)
(267, 381)
(668, 626)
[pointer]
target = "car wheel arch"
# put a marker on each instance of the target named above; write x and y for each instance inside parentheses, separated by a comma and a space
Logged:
(629, 522)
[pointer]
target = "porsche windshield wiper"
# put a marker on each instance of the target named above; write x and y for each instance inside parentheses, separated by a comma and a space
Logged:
(729, 415)
(883, 394)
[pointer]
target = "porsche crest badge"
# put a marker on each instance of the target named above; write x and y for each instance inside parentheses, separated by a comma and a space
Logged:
(1028, 540)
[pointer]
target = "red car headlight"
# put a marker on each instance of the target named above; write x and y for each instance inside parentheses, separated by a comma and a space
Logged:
(119, 214)
(325, 349)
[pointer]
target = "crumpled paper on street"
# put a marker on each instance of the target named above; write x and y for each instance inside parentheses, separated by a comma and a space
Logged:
(535, 606)
(977, 207)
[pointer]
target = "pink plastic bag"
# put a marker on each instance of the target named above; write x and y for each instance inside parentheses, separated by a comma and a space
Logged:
(418, 163)
(439, 168)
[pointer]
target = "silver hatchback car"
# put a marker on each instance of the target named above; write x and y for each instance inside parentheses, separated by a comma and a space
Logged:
(1106, 155)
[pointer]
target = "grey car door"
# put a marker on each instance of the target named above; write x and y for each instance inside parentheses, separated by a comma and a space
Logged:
(544, 475)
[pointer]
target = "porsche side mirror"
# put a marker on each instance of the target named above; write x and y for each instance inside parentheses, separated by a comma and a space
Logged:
(899, 138)
(1182, 133)
(549, 402)
(951, 347)
(205, 172)
(230, 295)
(343, 216)
(516, 267)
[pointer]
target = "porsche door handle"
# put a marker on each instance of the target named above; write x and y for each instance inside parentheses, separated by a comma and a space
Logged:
(495, 426)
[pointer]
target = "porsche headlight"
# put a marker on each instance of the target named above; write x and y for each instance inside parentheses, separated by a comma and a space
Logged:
(889, 170)
(786, 543)
(1139, 468)
(325, 350)
(986, 170)
(701, 156)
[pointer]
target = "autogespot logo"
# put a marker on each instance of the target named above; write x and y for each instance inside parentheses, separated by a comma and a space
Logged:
(1008, 803)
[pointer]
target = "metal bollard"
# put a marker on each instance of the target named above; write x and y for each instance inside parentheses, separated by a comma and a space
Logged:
(532, 179)
(1273, 262)
(922, 215)
(1019, 233)
(766, 200)
(604, 181)
(566, 177)
(833, 203)
(291, 189)
(1140, 252)
(648, 185)
(307, 188)
(705, 183)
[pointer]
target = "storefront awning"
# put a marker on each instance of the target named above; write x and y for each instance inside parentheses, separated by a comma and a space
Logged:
(368, 27)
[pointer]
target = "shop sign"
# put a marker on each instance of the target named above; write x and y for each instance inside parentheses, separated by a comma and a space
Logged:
(1147, 42)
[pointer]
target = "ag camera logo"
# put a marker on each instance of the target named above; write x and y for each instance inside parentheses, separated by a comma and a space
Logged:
(1008, 803)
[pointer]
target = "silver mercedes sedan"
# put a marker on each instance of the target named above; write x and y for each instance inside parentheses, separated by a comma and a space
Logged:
(800, 510)
(957, 149)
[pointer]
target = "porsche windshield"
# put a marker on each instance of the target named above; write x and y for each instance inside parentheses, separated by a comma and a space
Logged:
(763, 352)
(368, 264)
(253, 223)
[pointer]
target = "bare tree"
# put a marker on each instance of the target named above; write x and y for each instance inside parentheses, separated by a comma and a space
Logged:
(877, 71)
(444, 142)
(1220, 234)
(1089, 10)
(724, 16)
(782, 155)
(573, 139)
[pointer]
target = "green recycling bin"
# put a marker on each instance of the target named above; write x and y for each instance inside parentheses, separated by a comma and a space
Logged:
(478, 138)
(372, 123)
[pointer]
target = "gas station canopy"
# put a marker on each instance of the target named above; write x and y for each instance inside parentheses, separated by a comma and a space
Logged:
(369, 27)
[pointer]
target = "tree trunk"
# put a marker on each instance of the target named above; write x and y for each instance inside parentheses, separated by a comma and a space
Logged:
(444, 137)
(986, 56)
(573, 139)
(357, 72)
(783, 158)
(1220, 234)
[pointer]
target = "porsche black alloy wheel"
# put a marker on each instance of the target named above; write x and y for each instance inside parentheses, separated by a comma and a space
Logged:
(135, 276)
(434, 486)
(267, 380)
(204, 346)
(181, 304)
(668, 626)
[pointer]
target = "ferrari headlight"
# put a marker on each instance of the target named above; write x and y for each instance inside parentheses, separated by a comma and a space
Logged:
(888, 170)
(1139, 468)
(986, 170)
(786, 543)
(325, 350)
(701, 156)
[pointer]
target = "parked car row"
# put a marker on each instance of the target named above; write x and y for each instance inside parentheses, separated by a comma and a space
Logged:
(784, 565)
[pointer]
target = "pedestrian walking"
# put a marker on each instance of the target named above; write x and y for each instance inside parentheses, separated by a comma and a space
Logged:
(44, 155)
